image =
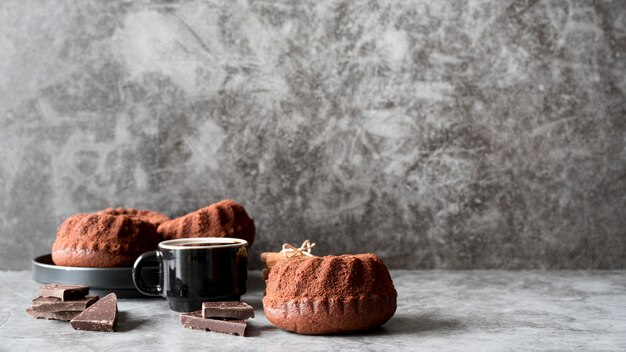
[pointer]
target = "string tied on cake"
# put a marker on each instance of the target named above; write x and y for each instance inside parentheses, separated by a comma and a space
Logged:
(290, 251)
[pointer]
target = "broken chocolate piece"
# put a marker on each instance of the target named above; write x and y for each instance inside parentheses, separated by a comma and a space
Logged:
(194, 320)
(63, 292)
(67, 316)
(101, 316)
(53, 304)
(229, 309)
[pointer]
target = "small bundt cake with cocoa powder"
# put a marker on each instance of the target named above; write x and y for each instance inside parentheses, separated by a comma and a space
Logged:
(153, 217)
(222, 219)
(102, 241)
(330, 294)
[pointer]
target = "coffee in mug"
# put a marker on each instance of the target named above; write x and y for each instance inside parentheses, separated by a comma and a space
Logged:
(196, 270)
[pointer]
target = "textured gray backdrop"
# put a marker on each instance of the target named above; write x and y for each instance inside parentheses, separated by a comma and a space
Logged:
(437, 134)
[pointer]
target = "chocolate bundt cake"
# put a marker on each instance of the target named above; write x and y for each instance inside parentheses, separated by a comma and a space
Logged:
(222, 219)
(153, 217)
(102, 241)
(330, 294)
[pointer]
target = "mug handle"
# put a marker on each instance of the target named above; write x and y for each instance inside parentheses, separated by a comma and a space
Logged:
(140, 263)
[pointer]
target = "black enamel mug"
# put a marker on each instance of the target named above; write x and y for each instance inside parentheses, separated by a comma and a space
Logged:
(196, 270)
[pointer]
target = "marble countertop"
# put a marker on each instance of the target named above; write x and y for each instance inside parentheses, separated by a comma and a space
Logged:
(437, 310)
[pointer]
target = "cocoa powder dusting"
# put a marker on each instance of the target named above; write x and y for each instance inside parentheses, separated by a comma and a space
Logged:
(343, 277)
(103, 233)
(153, 217)
(226, 218)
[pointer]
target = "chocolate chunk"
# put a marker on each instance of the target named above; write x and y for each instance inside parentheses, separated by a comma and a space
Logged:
(63, 292)
(229, 309)
(194, 320)
(53, 304)
(67, 316)
(101, 316)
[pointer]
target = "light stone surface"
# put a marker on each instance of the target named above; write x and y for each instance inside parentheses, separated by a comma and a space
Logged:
(437, 134)
(437, 311)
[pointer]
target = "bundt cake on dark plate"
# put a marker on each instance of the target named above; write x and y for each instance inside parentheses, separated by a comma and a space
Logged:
(102, 240)
(222, 219)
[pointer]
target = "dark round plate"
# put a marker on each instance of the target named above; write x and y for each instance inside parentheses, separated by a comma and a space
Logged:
(101, 281)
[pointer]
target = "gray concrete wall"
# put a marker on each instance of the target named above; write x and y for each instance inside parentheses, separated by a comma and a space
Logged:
(438, 134)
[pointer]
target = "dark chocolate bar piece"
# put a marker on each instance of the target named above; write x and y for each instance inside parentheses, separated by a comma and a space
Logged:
(228, 309)
(67, 316)
(63, 292)
(194, 320)
(53, 304)
(101, 316)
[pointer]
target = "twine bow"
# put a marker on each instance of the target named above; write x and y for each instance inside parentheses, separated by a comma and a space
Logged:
(290, 251)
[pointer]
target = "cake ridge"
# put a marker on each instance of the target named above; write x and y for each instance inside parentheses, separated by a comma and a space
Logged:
(325, 282)
(222, 219)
